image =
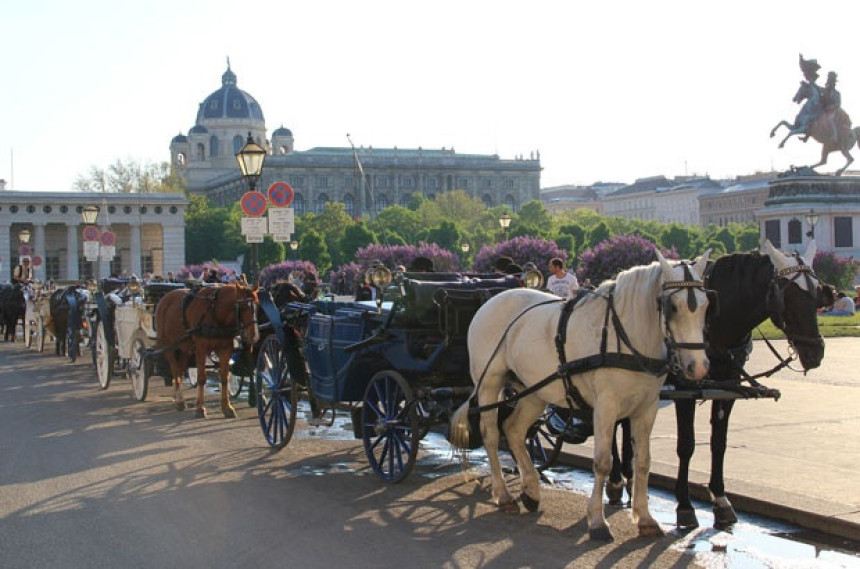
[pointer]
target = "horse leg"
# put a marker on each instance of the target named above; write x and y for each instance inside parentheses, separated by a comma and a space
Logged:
(685, 415)
(724, 513)
(490, 436)
(200, 356)
(604, 426)
(223, 372)
(641, 426)
(516, 427)
(786, 124)
(848, 160)
(615, 484)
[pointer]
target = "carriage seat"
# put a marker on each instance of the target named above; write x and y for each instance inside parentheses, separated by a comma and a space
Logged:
(153, 292)
(424, 298)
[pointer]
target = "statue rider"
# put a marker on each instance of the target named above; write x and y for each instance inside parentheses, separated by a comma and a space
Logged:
(831, 102)
(812, 107)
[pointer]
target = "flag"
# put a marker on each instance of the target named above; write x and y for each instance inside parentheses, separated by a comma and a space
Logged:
(368, 187)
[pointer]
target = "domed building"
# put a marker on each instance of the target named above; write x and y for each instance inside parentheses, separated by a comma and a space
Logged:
(206, 159)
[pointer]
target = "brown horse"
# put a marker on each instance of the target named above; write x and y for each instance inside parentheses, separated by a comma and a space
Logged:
(830, 127)
(197, 322)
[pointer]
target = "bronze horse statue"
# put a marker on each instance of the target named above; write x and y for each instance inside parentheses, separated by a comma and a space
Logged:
(830, 126)
(194, 323)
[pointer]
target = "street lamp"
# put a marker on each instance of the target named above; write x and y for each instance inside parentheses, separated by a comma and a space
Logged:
(24, 236)
(294, 245)
(811, 220)
(89, 215)
(505, 222)
(250, 158)
(464, 247)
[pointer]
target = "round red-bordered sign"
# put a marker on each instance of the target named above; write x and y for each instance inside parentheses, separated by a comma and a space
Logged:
(36, 261)
(281, 194)
(108, 238)
(253, 204)
(24, 250)
(91, 233)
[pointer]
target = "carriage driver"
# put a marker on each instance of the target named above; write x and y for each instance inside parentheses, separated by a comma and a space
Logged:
(561, 283)
(23, 272)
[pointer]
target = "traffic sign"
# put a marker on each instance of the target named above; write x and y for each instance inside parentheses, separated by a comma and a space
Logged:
(24, 250)
(281, 194)
(254, 229)
(108, 238)
(253, 204)
(91, 233)
(36, 261)
(282, 220)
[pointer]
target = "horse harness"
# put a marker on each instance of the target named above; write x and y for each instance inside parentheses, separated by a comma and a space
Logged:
(212, 330)
(634, 361)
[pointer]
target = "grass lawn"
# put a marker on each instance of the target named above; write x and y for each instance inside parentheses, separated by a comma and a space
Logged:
(829, 326)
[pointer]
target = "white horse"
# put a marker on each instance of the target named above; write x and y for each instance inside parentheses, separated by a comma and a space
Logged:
(650, 317)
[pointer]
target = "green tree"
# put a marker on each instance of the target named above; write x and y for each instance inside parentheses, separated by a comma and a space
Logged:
(747, 236)
(205, 232)
(681, 237)
(457, 206)
(724, 236)
(597, 234)
(446, 235)
(331, 224)
(354, 237)
(131, 176)
(399, 220)
(314, 249)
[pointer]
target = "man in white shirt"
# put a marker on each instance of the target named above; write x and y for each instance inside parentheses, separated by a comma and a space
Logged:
(561, 283)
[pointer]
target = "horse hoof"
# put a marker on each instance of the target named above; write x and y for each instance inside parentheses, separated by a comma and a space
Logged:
(600, 534)
(180, 404)
(650, 530)
(724, 516)
(510, 507)
(530, 503)
(201, 412)
(229, 413)
(686, 518)
(614, 492)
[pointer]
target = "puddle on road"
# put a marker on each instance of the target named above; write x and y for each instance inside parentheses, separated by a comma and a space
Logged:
(753, 542)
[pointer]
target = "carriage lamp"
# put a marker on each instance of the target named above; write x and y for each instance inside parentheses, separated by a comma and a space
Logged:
(380, 277)
(133, 286)
(811, 220)
(24, 236)
(532, 278)
(92, 285)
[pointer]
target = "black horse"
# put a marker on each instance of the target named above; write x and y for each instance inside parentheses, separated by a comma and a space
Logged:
(751, 287)
(67, 315)
(12, 308)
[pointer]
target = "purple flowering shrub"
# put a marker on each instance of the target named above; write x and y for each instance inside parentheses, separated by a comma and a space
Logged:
(834, 270)
(195, 272)
(282, 271)
(444, 261)
(522, 250)
(345, 278)
(606, 259)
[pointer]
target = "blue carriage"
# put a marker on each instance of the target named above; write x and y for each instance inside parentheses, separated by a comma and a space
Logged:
(399, 364)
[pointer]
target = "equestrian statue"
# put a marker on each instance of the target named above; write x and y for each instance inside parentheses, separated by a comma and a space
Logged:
(821, 116)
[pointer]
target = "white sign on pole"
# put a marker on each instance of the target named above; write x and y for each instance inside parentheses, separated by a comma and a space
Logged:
(91, 250)
(282, 220)
(107, 253)
(254, 229)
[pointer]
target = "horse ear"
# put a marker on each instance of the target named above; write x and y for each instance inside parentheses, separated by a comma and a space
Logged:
(779, 260)
(702, 263)
(668, 274)
(809, 256)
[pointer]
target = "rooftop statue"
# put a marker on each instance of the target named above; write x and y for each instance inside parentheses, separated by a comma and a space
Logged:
(821, 116)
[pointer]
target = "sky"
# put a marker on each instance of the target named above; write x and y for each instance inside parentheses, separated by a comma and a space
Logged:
(604, 91)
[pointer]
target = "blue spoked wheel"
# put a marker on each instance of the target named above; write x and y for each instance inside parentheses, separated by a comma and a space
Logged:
(543, 444)
(277, 399)
(389, 426)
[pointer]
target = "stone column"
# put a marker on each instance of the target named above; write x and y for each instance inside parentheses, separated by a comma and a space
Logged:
(5, 253)
(72, 252)
(134, 230)
(39, 249)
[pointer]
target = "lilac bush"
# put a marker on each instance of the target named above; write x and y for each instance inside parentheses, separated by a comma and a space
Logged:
(282, 271)
(195, 272)
(522, 250)
(606, 259)
(835, 270)
(392, 255)
(345, 279)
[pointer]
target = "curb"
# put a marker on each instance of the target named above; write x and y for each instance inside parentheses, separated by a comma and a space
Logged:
(812, 521)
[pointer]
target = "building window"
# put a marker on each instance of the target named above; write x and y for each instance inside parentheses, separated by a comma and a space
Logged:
(349, 205)
(772, 232)
(297, 181)
(405, 199)
(238, 143)
(52, 267)
(321, 182)
(299, 204)
(116, 265)
(407, 182)
(843, 232)
(462, 183)
(201, 152)
(488, 200)
(381, 202)
(795, 233)
(213, 146)
(146, 263)
(509, 201)
(322, 199)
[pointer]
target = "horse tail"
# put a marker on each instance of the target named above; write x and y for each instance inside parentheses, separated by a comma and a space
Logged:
(459, 432)
(856, 131)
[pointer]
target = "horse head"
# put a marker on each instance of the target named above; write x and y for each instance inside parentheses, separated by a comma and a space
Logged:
(796, 294)
(683, 303)
(246, 313)
(806, 91)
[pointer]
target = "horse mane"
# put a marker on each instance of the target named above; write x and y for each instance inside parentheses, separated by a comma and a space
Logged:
(742, 281)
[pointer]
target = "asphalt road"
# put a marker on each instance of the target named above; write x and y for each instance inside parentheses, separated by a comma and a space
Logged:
(92, 479)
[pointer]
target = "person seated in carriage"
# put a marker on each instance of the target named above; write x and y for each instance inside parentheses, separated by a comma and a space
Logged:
(421, 265)
(23, 273)
(212, 276)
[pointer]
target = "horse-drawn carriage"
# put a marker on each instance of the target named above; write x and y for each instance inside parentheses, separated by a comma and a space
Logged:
(58, 310)
(124, 330)
(37, 313)
(399, 365)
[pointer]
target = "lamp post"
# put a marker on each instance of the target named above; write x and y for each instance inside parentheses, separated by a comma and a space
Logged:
(811, 220)
(24, 236)
(294, 245)
(250, 158)
(89, 215)
(505, 222)
(464, 247)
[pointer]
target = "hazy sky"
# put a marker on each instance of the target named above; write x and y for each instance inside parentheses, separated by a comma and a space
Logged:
(605, 91)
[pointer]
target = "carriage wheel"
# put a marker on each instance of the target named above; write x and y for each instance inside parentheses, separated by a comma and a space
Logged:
(234, 384)
(543, 445)
(139, 367)
(40, 333)
(102, 356)
(389, 426)
(28, 331)
(277, 400)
